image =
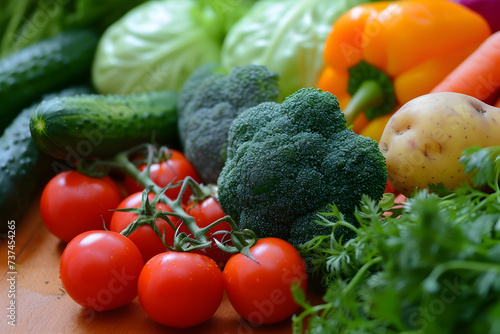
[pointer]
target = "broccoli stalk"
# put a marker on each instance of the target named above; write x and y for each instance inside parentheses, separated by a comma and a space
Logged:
(286, 162)
(208, 103)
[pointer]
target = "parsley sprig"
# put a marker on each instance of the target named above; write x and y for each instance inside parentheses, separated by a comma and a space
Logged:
(432, 266)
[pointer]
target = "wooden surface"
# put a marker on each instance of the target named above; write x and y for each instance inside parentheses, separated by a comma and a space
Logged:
(42, 306)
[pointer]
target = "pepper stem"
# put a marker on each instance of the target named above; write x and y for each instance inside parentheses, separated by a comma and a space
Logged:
(369, 94)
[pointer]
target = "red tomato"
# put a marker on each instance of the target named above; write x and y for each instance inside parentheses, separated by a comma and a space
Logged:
(145, 238)
(180, 289)
(260, 291)
(206, 212)
(99, 270)
(389, 188)
(72, 203)
(175, 169)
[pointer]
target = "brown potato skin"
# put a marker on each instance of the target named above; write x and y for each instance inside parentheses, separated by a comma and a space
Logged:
(424, 139)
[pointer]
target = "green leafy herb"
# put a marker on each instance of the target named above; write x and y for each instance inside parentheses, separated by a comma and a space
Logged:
(432, 267)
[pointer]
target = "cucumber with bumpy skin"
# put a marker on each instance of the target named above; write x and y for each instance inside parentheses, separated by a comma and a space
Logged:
(93, 125)
(44, 67)
(23, 168)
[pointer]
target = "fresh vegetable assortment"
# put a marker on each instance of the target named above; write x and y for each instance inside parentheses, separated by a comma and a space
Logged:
(431, 267)
(24, 167)
(381, 55)
(183, 245)
(260, 149)
(286, 36)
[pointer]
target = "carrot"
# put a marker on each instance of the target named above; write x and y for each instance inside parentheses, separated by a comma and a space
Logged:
(479, 74)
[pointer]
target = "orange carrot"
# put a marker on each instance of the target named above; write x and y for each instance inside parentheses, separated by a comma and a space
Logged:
(479, 74)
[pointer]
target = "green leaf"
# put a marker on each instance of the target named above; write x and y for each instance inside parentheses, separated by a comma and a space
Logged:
(481, 227)
(385, 305)
(486, 282)
(481, 163)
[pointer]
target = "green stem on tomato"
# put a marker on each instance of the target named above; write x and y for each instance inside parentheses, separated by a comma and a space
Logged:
(121, 160)
(176, 205)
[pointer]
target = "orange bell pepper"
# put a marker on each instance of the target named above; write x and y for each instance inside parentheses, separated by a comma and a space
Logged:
(381, 55)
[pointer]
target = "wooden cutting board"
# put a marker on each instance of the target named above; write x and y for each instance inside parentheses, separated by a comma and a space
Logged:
(42, 306)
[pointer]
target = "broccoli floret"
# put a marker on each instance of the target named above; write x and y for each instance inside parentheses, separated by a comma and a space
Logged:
(288, 161)
(209, 102)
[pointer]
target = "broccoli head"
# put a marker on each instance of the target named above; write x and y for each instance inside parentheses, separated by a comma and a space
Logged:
(209, 102)
(286, 162)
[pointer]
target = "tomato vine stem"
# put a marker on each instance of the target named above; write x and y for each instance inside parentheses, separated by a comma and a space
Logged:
(242, 240)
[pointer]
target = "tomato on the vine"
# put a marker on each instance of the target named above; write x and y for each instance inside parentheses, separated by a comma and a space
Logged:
(72, 203)
(261, 291)
(145, 238)
(205, 212)
(180, 289)
(100, 269)
(175, 169)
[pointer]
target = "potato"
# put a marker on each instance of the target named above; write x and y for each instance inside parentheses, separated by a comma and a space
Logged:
(424, 139)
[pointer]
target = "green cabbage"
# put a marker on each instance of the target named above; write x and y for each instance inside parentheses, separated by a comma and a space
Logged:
(158, 44)
(287, 36)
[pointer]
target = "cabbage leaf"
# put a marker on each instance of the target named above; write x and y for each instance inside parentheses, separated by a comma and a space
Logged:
(287, 36)
(158, 44)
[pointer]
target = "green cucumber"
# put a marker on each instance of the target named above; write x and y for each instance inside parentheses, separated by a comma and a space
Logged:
(23, 168)
(94, 125)
(44, 67)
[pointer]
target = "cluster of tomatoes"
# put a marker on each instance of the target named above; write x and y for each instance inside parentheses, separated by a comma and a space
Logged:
(102, 268)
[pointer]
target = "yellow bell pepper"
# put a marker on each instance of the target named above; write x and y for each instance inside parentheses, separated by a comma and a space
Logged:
(381, 55)
(375, 128)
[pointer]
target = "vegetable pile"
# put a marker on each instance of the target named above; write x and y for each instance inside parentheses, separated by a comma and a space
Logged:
(262, 149)
(430, 267)
(373, 69)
